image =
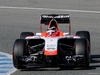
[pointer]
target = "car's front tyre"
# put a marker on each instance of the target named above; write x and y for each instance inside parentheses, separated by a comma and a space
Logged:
(81, 48)
(19, 50)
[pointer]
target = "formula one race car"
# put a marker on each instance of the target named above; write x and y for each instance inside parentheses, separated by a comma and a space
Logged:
(52, 48)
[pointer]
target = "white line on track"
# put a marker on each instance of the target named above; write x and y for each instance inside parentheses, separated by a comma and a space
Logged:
(49, 9)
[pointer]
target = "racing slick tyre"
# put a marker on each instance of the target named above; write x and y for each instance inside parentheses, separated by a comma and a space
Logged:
(19, 50)
(81, 49)
(86, 35)
(23, 35)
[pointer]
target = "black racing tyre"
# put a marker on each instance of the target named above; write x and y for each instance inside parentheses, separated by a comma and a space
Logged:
(81, 49)
(19, 50)
(86, 35)
(23, 35)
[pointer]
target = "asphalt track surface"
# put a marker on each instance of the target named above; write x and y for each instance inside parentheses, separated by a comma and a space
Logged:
(17, 16)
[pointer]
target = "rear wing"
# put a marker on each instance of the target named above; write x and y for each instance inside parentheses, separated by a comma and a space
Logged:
(60, 18)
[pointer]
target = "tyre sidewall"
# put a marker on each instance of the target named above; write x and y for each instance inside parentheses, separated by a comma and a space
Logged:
(19, 50)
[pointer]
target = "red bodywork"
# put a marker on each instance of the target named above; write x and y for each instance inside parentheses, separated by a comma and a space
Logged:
(57, 33)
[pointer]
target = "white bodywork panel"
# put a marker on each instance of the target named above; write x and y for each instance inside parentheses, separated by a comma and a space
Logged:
(51, 43)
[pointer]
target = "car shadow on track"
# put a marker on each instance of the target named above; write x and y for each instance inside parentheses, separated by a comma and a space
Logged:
(41, 69)
(95, 59)
(57, 69)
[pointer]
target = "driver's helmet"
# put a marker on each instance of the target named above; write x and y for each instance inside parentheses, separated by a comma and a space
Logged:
(51, 30)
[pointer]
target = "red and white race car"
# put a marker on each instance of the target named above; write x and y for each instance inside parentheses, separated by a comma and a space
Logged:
(52, 48)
